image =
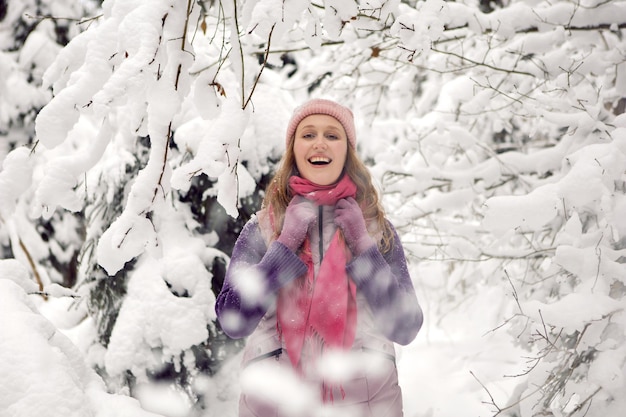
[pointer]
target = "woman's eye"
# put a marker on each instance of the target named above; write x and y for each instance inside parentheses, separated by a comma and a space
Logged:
(332, 136)
(308, 135)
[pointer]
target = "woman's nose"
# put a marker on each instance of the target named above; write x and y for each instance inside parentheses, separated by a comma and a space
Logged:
(319, 143)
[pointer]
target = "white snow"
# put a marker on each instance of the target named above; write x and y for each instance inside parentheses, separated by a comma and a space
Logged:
(61, 382)
(492, 135)
(43, 373)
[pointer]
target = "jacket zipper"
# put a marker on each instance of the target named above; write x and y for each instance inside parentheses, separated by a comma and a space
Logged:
(275, 354)
(321, 232)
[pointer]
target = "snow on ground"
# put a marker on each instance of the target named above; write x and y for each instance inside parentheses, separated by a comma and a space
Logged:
(442, 372)
(42, 372)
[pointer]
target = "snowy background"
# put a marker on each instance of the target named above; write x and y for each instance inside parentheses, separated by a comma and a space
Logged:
(136, 138)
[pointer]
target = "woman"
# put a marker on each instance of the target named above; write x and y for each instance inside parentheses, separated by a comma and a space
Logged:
(320, 273)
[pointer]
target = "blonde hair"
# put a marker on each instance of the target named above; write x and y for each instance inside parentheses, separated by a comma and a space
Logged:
(278, 195)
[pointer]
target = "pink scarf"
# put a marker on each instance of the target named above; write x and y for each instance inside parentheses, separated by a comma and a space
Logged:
(321, 311)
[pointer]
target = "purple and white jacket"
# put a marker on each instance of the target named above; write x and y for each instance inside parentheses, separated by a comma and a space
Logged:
(387, 308)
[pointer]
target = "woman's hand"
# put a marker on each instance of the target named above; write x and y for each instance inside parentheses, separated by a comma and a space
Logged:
(299, 215)
(349, 217)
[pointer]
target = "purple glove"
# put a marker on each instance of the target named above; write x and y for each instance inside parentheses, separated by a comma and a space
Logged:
(349, 217)
(299, 215)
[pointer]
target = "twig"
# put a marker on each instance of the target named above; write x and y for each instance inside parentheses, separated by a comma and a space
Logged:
(243, 78)
(47, 294)
(598, 251)
(267, 52)
(33, 267)
(515, 296)
(588, 399)
(493, 401)
(482, 64)
(71, 19)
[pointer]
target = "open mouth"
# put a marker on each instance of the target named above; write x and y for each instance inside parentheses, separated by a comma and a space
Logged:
(319, 160)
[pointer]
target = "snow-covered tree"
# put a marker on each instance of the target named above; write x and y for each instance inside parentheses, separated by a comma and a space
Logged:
(509, 127)
(495, 129)
(31, 35)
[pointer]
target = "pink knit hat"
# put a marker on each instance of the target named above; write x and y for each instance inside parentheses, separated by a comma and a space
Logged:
(321, 106)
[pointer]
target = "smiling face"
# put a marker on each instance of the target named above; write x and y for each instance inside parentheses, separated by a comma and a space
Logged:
(320, 148)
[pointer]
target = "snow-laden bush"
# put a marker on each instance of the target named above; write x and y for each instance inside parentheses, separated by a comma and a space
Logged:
(43, 372)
